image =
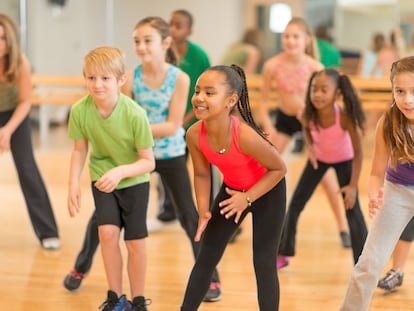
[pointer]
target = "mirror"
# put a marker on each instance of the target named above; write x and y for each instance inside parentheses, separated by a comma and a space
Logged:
(352, 23)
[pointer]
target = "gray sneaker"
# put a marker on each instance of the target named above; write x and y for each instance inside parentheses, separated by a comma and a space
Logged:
(345, 239)
(391, 281)
(213, 293)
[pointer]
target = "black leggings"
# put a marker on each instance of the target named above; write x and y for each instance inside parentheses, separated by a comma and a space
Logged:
(267, 215)
(408, 234)
(31, 182)
(307, 183)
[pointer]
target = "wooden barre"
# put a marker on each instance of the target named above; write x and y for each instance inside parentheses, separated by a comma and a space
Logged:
(57, 89)
(375, 94)
(67, 89)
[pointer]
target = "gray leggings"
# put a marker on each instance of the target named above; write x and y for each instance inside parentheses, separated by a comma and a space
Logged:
(386, 229)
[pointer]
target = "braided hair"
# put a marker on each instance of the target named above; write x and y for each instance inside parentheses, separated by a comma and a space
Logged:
(236, 79)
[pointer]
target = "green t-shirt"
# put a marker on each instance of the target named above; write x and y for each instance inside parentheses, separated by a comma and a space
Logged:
(330, 55)
(114, 140)
(194, 63)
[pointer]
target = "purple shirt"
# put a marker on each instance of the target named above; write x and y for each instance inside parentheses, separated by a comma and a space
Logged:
(402, 174)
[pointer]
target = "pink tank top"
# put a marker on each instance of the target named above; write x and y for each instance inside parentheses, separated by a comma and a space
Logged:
(332, 144)
(240, 171)
(293, 81)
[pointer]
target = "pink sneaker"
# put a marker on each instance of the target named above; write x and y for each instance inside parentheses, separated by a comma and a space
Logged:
(282, 261)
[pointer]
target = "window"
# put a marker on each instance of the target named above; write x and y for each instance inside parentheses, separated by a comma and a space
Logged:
(280, 15)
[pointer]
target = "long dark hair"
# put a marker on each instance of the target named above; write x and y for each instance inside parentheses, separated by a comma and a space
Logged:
(352, 104)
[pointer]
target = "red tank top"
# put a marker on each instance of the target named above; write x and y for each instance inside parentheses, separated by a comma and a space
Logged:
(240, 171)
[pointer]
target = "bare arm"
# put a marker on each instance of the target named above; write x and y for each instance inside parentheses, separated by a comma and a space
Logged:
(202, 178)
(351, 189)
(176, 110)
(145, 164)
(378, 170)
(254, 145)
(77, 161)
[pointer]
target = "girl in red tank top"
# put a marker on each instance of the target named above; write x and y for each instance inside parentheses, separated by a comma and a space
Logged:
(253, 181)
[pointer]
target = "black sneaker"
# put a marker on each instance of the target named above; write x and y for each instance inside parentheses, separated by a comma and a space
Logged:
(139, 303)
(392, 280)
(213, 293)
(345, 239)
(73, 280)
(167, 216)
(113, 303)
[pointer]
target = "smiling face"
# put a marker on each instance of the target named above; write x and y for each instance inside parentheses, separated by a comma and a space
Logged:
(149, 44)
(403, 93)
(295, 39)
(212, 95)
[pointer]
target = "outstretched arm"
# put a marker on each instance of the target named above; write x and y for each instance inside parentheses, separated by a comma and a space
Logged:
(202, 176)
(378, 170)
(254, 145)
(77, 161)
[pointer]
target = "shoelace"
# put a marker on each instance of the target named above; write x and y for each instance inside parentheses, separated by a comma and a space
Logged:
(141, 307)
(392, 279)
(108, 305)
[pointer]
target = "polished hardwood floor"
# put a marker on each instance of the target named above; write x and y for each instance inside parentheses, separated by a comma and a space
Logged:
(31, 277)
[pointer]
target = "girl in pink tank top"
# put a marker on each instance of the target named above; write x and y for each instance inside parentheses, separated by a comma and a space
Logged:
(333, 139)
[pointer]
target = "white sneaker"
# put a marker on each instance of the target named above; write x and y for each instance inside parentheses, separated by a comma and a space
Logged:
(51, 243)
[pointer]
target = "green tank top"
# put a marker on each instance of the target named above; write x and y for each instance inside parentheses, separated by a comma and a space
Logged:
(9, 95)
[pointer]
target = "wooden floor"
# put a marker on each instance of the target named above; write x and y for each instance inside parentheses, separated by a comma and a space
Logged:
(31, 278)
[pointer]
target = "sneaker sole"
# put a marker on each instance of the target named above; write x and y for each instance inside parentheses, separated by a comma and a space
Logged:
(213, 299)
(69, 287)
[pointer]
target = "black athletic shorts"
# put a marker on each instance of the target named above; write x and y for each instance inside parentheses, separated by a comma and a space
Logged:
(125, 208)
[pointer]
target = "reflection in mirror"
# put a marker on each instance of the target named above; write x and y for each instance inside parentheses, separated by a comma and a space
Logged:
(352, 24)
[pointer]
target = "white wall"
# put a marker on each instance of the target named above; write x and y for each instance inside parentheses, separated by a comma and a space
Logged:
(355, 27)
(59, 39)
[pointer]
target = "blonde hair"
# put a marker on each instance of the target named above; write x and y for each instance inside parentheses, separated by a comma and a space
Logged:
(398, 133)
(105, 59)
(311, 49)
(13, 58)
